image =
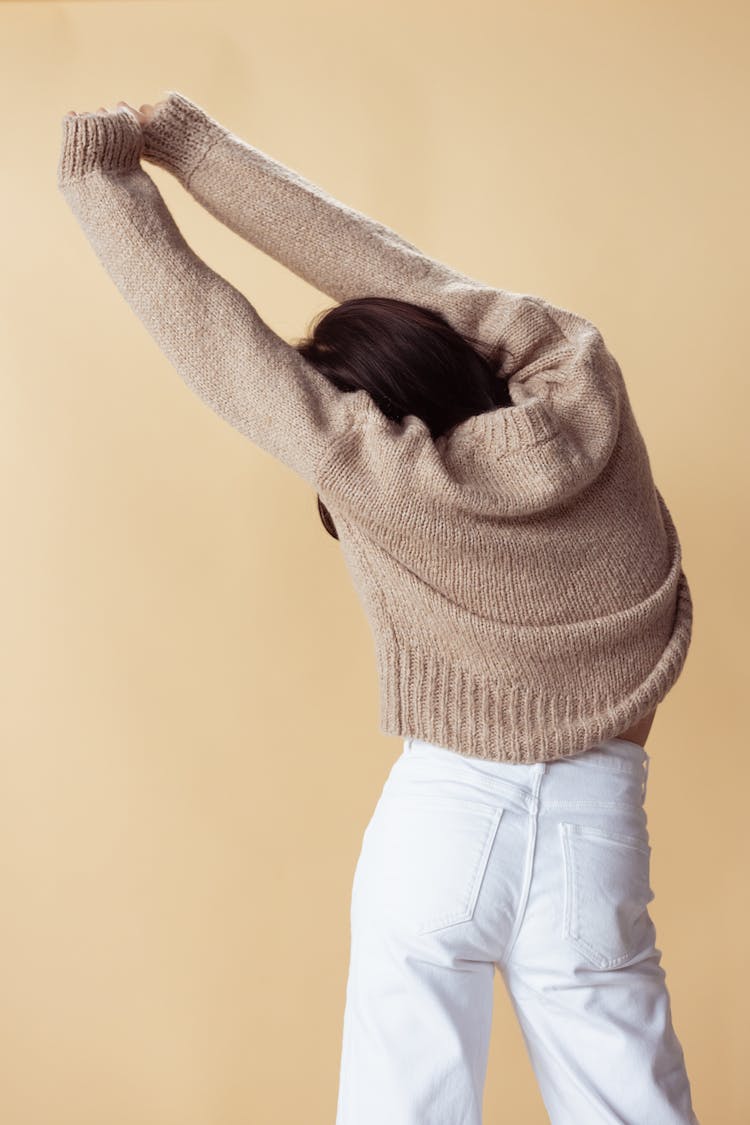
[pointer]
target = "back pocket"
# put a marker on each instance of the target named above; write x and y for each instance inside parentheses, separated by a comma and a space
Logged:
(607, 892)
(423, 860)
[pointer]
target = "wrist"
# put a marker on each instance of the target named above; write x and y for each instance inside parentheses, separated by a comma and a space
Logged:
(107, 142)
(179, 134)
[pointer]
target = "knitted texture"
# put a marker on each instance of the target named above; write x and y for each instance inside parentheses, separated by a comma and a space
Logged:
(521, 574)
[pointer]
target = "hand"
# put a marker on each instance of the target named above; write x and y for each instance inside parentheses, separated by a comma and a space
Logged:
(144, 114)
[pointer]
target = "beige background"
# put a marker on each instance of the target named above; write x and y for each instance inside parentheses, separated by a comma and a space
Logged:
(188, 730)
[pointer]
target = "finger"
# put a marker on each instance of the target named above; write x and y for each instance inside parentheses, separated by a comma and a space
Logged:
(131, 109)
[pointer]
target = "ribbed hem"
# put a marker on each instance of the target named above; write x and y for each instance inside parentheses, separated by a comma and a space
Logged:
(424, 695)
(107, 142)
(179, 135)
(477, 439)
(506, 428)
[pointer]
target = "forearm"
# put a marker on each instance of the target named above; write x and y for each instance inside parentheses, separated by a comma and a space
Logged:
(337, 249)
(207, 329)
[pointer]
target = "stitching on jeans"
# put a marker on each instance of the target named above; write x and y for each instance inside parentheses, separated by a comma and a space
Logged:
(587, 804)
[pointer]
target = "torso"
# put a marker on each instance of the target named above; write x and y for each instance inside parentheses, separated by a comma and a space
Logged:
(639, 732)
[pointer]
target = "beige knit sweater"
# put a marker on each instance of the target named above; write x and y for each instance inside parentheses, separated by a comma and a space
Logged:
(521, 574)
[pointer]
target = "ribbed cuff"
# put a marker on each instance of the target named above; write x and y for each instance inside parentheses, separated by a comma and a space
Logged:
(108, 142)
(179, 135)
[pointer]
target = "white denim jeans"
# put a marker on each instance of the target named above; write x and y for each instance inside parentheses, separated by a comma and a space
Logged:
(540, 871)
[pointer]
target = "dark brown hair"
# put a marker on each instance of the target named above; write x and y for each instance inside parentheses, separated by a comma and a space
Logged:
(409, 358)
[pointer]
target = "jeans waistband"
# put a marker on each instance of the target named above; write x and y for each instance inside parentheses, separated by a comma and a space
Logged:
(580, 777)
(612, 753)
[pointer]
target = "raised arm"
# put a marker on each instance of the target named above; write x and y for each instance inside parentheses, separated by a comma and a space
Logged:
(206, 328)
(337, 249)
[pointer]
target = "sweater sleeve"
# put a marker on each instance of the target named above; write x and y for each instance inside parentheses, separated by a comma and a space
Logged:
(334, 247)
(210, 333)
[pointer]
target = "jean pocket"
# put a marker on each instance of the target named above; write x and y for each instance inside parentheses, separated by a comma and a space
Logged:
(607, 892)
(423, 860)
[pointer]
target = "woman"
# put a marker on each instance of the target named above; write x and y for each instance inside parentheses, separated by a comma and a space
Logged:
(474, 452)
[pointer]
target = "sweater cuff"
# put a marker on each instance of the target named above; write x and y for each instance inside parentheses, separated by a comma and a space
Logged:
(179, 135)
(107, 142)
